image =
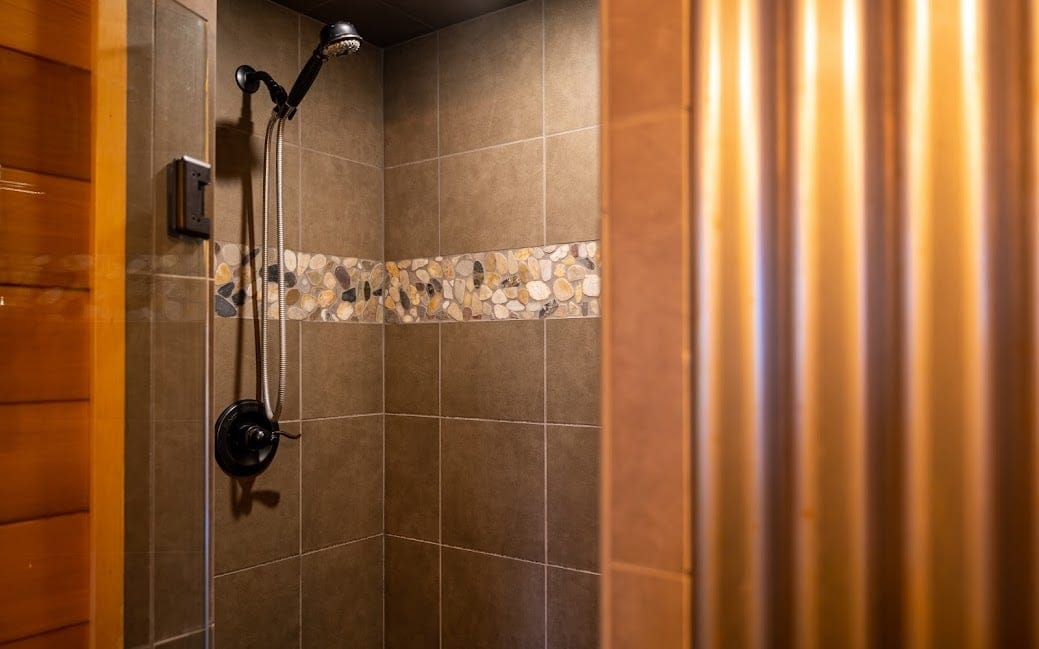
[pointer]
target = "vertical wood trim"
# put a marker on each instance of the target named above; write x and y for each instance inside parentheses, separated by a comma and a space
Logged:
(108, 349)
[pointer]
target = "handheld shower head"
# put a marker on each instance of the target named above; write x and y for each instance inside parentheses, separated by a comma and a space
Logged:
(337, 39)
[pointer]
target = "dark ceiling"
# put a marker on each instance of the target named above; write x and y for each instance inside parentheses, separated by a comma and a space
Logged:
(388, 22)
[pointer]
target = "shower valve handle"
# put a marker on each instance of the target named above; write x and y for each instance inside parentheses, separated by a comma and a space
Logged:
(258, 437)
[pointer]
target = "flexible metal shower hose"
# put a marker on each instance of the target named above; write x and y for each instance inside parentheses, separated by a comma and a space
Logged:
(275, 126)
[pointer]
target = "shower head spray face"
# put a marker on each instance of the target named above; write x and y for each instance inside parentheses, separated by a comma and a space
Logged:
(338, 39)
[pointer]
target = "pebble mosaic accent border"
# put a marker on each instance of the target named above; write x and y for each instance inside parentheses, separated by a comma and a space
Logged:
(553, 281)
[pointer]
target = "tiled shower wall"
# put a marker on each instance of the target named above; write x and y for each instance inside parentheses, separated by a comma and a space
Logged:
(298, 551)
(492, 427)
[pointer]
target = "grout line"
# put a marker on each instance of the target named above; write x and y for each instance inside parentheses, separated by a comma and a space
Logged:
(493, 554)
(497, 421)
(545, 134)
(544, 329)
(300, 555)
(440, 388)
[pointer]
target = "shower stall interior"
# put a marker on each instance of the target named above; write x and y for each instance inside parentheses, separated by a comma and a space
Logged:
(422, 234)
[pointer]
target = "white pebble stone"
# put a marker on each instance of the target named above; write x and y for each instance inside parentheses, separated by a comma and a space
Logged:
(499, 297)
(500, 312)
(317, 261)
(546, 269)
(302, 260)
(593, 248)
(485, 292)
(290, 260)
(539, 290)
(560, 253)
(449, 293)
(454, 311)
(296, 313)
(591, 285)
(419, 263)
(513, 305)
(582, 249)
(232, 254)
(464, 267)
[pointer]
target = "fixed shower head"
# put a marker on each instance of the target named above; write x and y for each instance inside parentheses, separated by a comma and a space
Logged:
(337, 39)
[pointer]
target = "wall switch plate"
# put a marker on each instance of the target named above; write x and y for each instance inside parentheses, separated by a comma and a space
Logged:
(186, 197)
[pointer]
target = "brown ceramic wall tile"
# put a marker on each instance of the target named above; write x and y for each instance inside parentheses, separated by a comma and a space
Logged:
(572, 351)
(178, 592)
(493, 487)
(342, 113)
(179, 347)
(412, 594)
(491, 602)
(181, 68)
(412, 477)
(234, 363)
(137, 583)
(571, 64)
(647, 611)
(238, 190)
(179, 495)
(237, 621)
(412, 211)
(341, 210)
(649, 487)
(413, 369)
(342, 596)
(657, 69)
(410, 100)
(264, 35)
(256, 520)
(573, 610)
(342, 480)
(492, 199)
(140, 43)
(493, 370)
(573, 497)
(490, 79)
(342, 369)
(572, 187)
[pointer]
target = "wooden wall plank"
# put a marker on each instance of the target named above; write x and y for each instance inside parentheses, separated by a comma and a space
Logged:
(44, 460)
(71, 637)
(46, 109)
(45, 335)
(45, 239)
(46, 569)
(48, 28)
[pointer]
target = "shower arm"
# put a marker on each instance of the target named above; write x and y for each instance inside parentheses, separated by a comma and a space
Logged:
(249, 79)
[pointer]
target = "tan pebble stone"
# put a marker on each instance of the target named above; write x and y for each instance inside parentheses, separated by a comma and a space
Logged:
(485, 292)
(350, 262)
(464, 267)
(514, 264)
(449, 291)
(434, 270)
(309, 302)
(296, 313)
(459, 287)
(573, 309)
(512, 292)
(434, 303)
(487, 309)
(500, 312)
(523, 253)
(538, 290)
(470, 284)
(559, 271)
(389, 302)
(591, 285)
(449, 270)
(223, 274)
(578, 294)
(562, 289)
(533, 306)
(492, 279)
(593, 248)
(538, 252)
(454, 311)
(404, 277)
(329, 281)
(524, 296)
(499, 297)
(392, 269)
(326, 298)
(593, 307)
(422, 275)
(467, 299)
(576, 272)
(412, 293)
(232, 254)
(419, 263)
(501, 262)
(489, 263)
(569, 260)
(315, 277)
(317, 262)
(376, 277)
(303, 260)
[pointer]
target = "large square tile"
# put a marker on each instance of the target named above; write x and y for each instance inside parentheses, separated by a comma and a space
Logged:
(413, 477)
(342, 597)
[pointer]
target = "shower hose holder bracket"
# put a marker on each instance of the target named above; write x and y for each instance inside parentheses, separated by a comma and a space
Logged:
(246, 439)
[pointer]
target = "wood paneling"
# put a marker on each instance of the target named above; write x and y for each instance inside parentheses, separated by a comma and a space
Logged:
(54, 29)
(71, 637)
(45, 239)
(45, 565)
(44, 460)
(46, 110)
(45, 336)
